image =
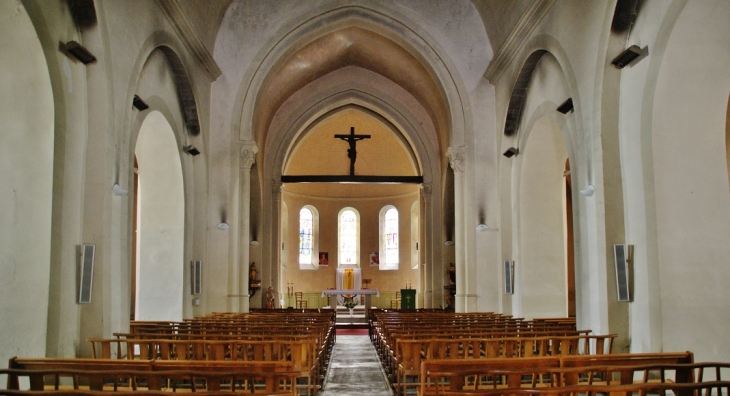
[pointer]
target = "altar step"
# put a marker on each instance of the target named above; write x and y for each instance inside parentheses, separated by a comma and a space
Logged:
(355, 321)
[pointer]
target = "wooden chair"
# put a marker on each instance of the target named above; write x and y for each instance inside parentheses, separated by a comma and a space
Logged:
(301, 303)
(395, 303)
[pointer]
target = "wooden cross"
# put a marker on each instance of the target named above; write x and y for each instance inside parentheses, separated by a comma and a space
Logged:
(352, 152)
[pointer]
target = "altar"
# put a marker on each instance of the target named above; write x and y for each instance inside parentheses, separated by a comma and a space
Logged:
(354, 292)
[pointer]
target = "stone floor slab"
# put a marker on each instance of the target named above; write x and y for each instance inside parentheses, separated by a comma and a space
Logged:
(355, 369)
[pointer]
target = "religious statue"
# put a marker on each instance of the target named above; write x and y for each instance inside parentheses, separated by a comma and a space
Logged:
(252, 272)
(269, 298)
(451, 288)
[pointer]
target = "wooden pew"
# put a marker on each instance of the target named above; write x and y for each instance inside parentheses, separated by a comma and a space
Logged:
(439, 375)
(436, 374)
(257, 377)
(695, 388)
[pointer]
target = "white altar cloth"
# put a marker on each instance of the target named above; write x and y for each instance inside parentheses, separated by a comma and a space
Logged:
(366, 292)
(351, 291)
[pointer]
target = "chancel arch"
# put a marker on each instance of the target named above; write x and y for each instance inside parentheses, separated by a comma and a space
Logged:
(395, 126)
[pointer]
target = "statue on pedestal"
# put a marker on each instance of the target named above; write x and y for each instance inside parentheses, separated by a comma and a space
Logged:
(269, 298)
(252, 272)
(451, 287)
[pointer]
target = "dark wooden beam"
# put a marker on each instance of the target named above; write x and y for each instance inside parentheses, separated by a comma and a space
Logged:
(353, 179)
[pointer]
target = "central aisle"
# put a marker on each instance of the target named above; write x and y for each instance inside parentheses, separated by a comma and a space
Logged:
(354, 369)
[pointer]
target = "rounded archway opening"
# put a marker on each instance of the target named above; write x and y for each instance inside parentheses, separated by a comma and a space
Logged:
(160, 211)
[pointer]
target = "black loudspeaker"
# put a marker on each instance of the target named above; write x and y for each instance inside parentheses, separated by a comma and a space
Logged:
(622, 258)
(86, 273)
(509, 277)
(196, 274)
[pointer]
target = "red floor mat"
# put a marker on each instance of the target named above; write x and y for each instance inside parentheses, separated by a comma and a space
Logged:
(352, 331)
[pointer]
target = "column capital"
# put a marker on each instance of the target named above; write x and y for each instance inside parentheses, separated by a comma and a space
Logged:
(426, 190)
(248, 153)
(276, 189)
(456, 158)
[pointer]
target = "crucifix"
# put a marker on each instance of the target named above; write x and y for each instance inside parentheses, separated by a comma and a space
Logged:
(351, 152)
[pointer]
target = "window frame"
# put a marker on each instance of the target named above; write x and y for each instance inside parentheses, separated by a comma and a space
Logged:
(340, 254)
(385, 264)
(314, 254)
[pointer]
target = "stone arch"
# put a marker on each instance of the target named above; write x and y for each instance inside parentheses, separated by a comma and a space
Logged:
(161, 213)
(519, 91)
(415, 40)
(399, 114)
(545, 90)
(171, 96)
(401, 118)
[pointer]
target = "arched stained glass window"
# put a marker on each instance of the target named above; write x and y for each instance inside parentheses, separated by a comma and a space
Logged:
(306, 236)
(349, 237)
(389, 251)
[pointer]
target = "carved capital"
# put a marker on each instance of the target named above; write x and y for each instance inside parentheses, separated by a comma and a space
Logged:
(276, 189)
(426, 190)
(248, 154)
(456, 158)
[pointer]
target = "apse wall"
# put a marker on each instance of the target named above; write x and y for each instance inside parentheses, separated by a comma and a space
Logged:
(316, 280)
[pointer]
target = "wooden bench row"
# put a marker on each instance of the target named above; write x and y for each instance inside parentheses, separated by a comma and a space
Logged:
(706, 388)
(439, 376)
(385, 344)
(49, 374)
(305, 355)
(404, 365)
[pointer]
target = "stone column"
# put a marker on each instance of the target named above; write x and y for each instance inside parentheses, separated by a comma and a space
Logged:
(248, 157)
(426, 241)
(456, 160)
(271, 277)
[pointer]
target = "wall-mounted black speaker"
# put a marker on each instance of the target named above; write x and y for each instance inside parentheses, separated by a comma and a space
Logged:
(196, 275)
(622, 258)
(566, 106)
(86, 273)
(509, 277)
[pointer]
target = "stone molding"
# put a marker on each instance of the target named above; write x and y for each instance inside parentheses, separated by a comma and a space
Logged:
(190, 38)
(426, 190)
(456, 158)
(248, 154)
(517, 38)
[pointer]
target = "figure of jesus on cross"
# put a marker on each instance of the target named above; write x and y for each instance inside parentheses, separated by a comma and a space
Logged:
(352, 152)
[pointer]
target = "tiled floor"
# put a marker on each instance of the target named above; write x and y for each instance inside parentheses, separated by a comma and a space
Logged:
(355, 369)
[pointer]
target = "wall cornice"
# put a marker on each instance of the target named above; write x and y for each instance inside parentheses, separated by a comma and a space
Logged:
(516, 40)
(190, 38)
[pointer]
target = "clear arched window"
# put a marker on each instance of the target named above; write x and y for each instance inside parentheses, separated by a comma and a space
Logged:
(349, 237)
(389, 238)
(308, 232)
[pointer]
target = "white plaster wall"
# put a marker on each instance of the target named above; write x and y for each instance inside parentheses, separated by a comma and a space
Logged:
(26, 157)
(692, 197)
(540, 271)
(162, 218)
